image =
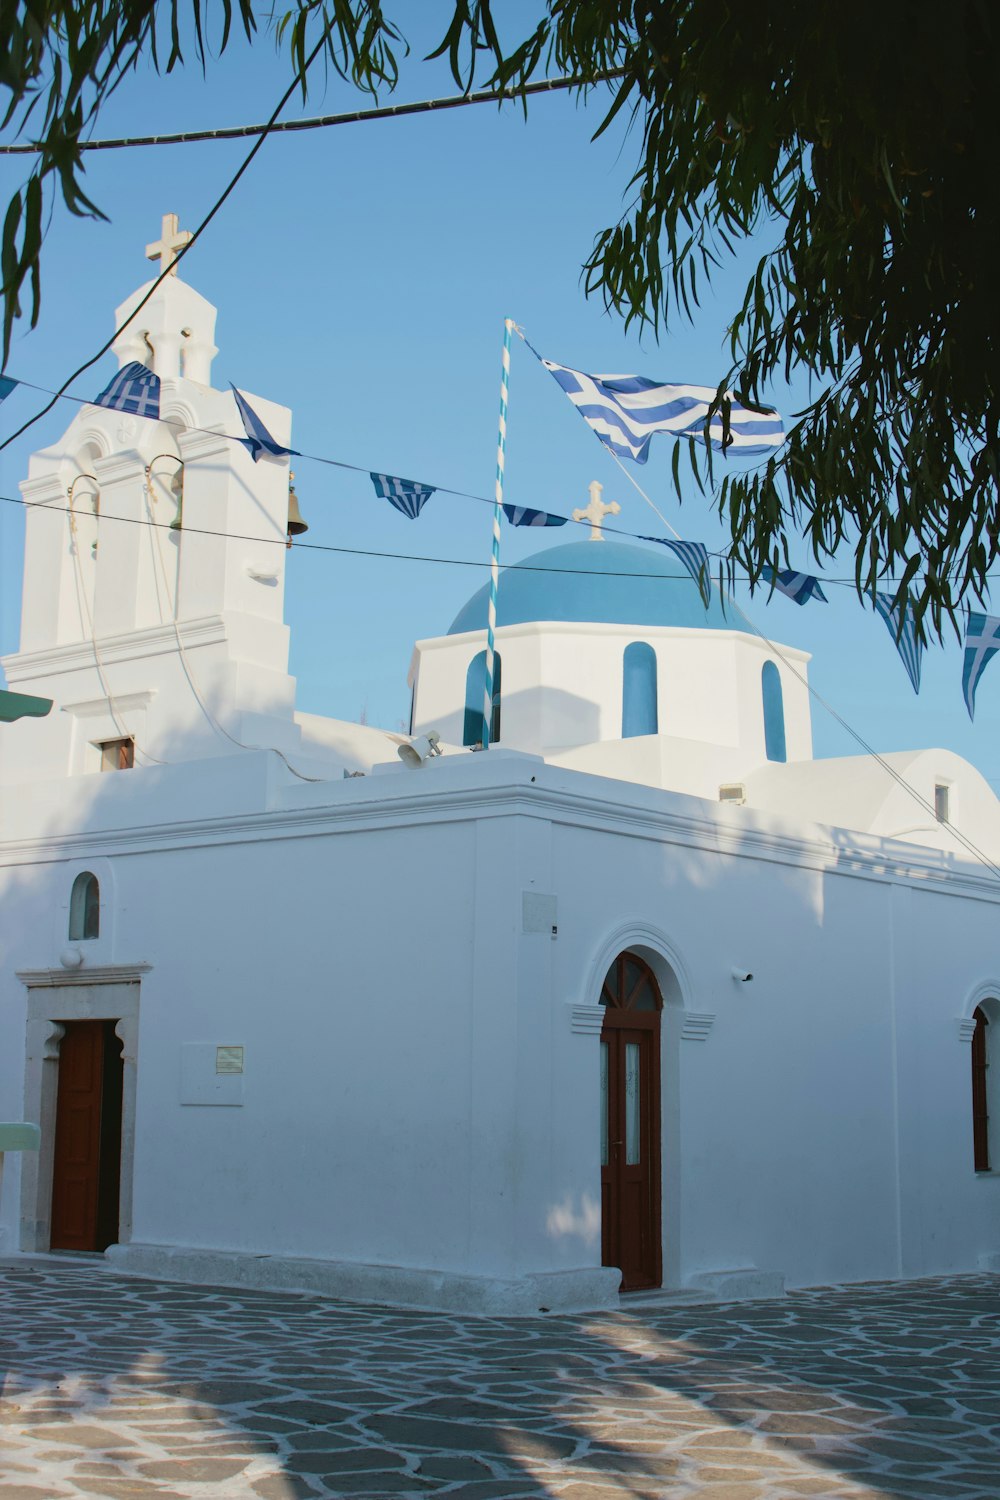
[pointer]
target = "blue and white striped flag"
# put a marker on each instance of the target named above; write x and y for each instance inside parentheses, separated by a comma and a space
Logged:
(135, 389)
(405, 494)
(6, 386)
(626, 411)
(801, 587)
(982, 641)
(521, 515)
(694, 556)
(905, 636)
(258, 440)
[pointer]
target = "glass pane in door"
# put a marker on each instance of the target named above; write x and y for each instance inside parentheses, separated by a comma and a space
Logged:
(631, 1104)
(604, 1104)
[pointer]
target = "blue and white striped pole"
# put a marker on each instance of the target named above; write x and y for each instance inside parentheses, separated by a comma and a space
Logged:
(491, 624)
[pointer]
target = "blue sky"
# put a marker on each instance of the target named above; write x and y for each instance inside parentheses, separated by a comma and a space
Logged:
(362, 276)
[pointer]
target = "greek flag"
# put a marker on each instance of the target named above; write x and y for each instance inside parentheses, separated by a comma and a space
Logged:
(520, 515)
(135, 389)
(904, 635)
(798, 586)
(6, 386)
(626, 412)
(405, 494)
(694, 556)
(982, 641)
(258, 440)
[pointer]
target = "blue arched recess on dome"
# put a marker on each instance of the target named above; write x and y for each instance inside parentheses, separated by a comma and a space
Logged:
(639, 714)
(774, 712)
(475, 693)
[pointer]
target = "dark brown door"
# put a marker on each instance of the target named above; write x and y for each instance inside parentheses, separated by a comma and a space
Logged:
(87, 1162)
(630, 1123)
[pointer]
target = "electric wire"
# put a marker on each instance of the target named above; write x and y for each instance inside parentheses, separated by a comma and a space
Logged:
(386, 112)
(890, 770)
(868, 749)
(440, 489)
(325, 122)
(194, 237)
(185, 660)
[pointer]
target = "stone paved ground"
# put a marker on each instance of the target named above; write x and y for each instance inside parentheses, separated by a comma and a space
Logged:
(118, 1387)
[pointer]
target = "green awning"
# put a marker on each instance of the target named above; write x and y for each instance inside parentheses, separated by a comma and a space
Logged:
(22, 706)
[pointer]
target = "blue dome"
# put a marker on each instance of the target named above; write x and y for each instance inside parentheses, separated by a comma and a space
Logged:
(605, 583)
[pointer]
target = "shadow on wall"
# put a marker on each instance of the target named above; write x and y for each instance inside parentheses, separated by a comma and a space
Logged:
(784, 1162)
(530, 719)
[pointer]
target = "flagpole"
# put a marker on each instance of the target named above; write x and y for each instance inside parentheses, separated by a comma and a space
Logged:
(491, 621)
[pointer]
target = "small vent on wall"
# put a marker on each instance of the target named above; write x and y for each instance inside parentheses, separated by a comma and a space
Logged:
(732, 791)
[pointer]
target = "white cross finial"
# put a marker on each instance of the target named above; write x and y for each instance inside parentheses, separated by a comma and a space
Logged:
(166, 247)
(596, 511)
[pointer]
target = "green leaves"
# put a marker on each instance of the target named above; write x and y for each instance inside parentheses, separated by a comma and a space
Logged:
(19, 255)
(863, 140)
(60, 60)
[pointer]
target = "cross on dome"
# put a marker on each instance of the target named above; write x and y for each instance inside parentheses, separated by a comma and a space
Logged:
(166, 247)
(596, 511)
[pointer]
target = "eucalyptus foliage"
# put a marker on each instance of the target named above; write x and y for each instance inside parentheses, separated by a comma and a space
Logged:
(860, 139)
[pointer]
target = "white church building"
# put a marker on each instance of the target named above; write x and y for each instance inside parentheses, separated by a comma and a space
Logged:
(643, 996)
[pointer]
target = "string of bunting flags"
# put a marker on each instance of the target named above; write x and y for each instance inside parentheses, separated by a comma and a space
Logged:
(625, 412)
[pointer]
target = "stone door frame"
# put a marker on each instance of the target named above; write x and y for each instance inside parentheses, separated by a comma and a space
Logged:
(109, 993)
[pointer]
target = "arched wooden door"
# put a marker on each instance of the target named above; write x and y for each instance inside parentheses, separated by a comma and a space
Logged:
(630, 1122)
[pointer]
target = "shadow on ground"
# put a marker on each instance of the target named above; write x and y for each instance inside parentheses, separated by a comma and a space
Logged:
(125, 1388)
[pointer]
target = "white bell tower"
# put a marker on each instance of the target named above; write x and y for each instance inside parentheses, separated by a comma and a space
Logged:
(154, 562)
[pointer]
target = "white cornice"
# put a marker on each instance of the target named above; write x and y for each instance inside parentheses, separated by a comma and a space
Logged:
(48, 979)
(696, 1025)
(203, 443)
(471, 638)
(94, 708)
(864, 857)
(124, 463)
(130, 645)
(43, 489)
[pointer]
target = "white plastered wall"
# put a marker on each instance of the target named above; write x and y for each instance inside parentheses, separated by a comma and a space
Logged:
(562, 689)
(421, 1078)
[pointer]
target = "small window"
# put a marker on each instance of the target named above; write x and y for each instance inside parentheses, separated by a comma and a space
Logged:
(639, 708)
(980, 1093)
(941, 802)
(85, 908)
(475, 700)
(774, 712)
(117, 755)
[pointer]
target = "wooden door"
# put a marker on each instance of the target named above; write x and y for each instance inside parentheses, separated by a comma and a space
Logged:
(630, 1123)
(87, 1159)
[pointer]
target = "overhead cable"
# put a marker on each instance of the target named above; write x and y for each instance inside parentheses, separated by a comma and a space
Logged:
(324, 122)
(192, 239)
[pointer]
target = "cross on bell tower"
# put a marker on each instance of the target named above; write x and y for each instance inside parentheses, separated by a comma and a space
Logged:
(596, 511)
(166, 247)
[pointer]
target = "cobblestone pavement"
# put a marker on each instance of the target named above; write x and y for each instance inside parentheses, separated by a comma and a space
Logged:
(119, 1387)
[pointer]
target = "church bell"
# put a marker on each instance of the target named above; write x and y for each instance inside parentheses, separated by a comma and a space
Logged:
(296, 525)
(177, 491)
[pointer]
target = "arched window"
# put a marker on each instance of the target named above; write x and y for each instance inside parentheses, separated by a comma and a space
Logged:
(638, 690)
(774, 712)
(980, 1096)
(85, 907)
(475, 694)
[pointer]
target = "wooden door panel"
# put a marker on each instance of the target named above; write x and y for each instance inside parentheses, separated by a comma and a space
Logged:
(87, 1157)
(630, 1176)
(76, 1168)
